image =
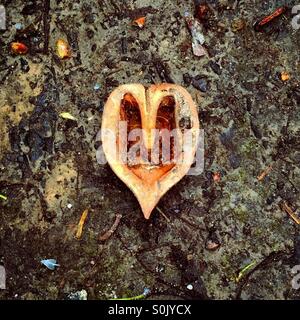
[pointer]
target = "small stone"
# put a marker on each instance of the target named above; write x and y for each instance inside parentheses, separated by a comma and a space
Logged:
(187, 79)
(190, 287)
(227, 136)
(69, 206)
(189, 257)
(159, 268)
(212, 242)
(24, 65)
(18, 26)
(234, 160)
(79, 295)
(216, 68)
(200, 83)
(97, 86)
(212, 245)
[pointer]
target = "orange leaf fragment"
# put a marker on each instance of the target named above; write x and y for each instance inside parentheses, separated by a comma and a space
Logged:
(284, 76)
(19, 48)
(140, 22)
(63, 49)
(217, 177)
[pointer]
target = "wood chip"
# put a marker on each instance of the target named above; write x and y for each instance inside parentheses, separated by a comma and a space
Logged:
(81, 224)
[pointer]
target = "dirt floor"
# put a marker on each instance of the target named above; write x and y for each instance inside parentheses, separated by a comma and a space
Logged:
(226, 234)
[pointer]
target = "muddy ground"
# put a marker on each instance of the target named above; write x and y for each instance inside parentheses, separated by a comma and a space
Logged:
(49, 172)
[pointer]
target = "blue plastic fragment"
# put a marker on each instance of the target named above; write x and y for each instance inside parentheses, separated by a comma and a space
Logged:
(97, 86)
(19, 26)
(146, 292)
(50, 263)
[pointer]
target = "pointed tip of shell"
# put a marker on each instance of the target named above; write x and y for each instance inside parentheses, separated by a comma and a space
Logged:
(147, 209)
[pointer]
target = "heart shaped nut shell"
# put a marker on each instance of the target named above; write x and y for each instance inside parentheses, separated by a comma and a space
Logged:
(150, 138)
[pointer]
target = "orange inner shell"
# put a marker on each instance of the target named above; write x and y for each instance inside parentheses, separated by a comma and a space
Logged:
(156, 164)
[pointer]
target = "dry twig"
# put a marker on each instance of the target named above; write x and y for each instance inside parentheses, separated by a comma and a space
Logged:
(81, 223)
(286, 208)
(264, 173)
(113, 228)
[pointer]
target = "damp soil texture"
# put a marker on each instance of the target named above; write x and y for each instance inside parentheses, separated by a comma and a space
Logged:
(230, 232)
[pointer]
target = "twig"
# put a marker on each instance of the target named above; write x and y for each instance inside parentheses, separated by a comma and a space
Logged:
(244, 270)
(285, 207)
(46, 23)
(81, 223)
(3, 197)
(163, 214)
(113, 228)
(264, 173)
(273, 257)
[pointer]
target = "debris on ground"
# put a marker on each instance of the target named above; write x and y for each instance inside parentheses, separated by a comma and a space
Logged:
(140, 22)
(145, 294)
(238, 24)
(202, 10)
(261, 24)
(190, 287)
(97, 86)
(19, 48)
(78, 295)
(3, 197)
(199, 82)
(265, 173)
(51, 264)
(113, 228)
(212, 242)
(287, 209)
(67, 115)
(246, 269)
(81, 224)
(63, 49)
(163, 214)
(284, 76)
(217, 176)
(196, 31)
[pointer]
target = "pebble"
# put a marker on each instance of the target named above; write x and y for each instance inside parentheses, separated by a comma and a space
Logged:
(226, 137)
(69, 206)
(216, 68)
(18, 26)
(190, 287)
(212, 245)
(200, 83)
(187, 79)
(97, 86)
(24, 65)
(78, 295)
(234, 160)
